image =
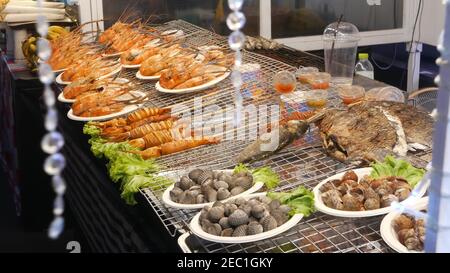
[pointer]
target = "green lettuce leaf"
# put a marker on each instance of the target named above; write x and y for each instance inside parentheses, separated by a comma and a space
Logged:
(267, 176)
(398, 168)
(132, 184)
(301, 200)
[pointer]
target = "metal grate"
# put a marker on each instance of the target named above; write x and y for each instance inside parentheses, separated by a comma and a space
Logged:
(303, 163)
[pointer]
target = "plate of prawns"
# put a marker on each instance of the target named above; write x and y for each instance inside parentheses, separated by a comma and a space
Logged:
(153, 132)
(115, 99)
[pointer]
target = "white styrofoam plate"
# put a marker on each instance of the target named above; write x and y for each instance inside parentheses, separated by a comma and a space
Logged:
(112, 73)
(387, 230)
(147, 78)
(61, 97)
(349, 214)
(131, 66)
(192, 89)
(197, 229)
(112, 54)
(175, 176)
(126, 110)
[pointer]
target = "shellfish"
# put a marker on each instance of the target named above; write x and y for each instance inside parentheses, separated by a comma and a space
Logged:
(240, 231)
(237, 218)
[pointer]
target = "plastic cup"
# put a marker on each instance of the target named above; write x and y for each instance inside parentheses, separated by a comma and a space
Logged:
(285, 82)
(317, 98)
(304, 74)
(352, 94)
(320, 81)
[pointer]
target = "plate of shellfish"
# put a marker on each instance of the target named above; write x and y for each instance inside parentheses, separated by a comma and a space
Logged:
(403, 232)
(354, 194)
(199, 188)
(246, 219)
(103, 73)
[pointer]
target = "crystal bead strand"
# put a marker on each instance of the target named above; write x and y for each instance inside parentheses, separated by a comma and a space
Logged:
(53, 141)
(236, 21)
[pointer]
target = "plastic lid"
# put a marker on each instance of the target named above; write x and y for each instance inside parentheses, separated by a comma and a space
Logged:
(363, 56)
(342, 31)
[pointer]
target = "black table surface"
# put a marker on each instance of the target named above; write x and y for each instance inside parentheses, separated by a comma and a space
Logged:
(108, 224)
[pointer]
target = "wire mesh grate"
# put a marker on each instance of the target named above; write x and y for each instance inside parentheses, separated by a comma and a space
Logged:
(302, 163)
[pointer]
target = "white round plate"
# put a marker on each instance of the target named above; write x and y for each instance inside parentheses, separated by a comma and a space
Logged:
(388, 232)
(112, 73)
(59, 71)
(131, 66)
(60, 81)
(126, 110)
(197, 229)
(177, 175)
(192, 89)
(349, 214)
(147, 78)
(61, 97)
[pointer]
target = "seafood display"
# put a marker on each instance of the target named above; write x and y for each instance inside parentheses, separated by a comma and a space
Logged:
(352, 193)
(368, 131)
(241, 217)
(410, 231)
(91, 85)
(253, 43)
(90, 67)
(203, 186)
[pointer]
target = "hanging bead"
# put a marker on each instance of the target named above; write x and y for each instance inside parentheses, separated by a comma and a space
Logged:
(58, 205)
(51, 119)
(235, 5)
(236, 20)
(46, 75)
(54, 164)
(49, 97)
(236, 40)
(44, 49)
(52, 142)
(238, 59)
(59, 185)
(42, 25)
(56, 227)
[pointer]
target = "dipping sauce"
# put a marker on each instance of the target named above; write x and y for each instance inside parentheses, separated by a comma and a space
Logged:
(352, 94)
(317, 98)
(305, 74)
(284, 82)
(320, 81)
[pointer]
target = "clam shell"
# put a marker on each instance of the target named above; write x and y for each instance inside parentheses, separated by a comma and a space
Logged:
(175, 192)
(194, 174)
(186, 184)
(200, 199)
(223, 222)
(265, 200)
(187, 198)
(274, 204)
(280, 217)
(210, 194)
(229, 209)
(237, 190)
(247, 208)
(246, 182)
(258, 211)
(227, 232)
(207, 184)
(285, 209)
(195, 187)
(240, 231)
(222, 194)
(386, 200)
(205, 223)
(214, 229)
(269, 223)
(240, 201)
(177, 185)
(195, 193)
(205, 175)
(215, 214)
(237, 218)
(204, 213)
(216, 175)
(218, 204)
(254, 228)
(220, 184)
(372, 203)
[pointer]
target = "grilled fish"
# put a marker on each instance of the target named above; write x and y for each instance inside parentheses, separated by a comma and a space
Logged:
(368, 131)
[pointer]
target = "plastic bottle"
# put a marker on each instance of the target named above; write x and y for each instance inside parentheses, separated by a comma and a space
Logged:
(364, 67)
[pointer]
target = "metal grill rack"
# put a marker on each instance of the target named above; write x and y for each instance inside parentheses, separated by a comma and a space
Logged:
(303, 163)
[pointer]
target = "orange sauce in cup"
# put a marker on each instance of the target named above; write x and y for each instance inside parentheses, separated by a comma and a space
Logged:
(284, 88)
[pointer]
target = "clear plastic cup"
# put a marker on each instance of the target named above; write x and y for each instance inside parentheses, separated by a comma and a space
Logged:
(317, 99)
(320, 81)
(385, 94)
(304, 74)
(352, 94)
(284, 82)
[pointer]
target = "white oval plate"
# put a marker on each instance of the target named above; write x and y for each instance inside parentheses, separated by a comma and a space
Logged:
(197, 229)
(131, 66)
(192, 89)
(112, 55)
(147, 78)
(59, 71)
(177, 175)
(112, 73)
(349, 214)
(126, 110)
(388, 232)
(61, 97)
